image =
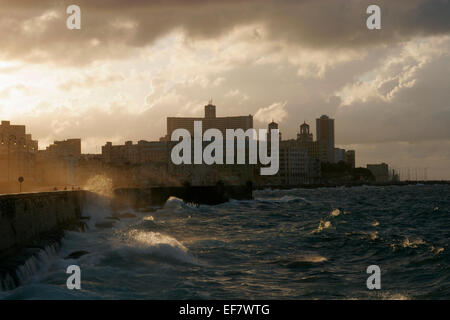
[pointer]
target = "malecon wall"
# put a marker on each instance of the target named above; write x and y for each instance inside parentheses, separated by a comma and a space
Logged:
(211, 195)
(26, 216)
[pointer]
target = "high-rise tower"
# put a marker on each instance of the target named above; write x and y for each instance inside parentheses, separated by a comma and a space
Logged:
(325, 138)
(210, 111)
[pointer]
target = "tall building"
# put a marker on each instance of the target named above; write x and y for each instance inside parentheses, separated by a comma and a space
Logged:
(304, 135)
(339, 155)
(325, 138)
(297, 161)
(210, 111)
(209, 121)
(293, 163)
(272, 126)
(305, 139)
(202, 174)
(296, 166)
(17, 154)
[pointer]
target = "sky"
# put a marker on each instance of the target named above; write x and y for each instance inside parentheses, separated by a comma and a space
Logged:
(134, 63)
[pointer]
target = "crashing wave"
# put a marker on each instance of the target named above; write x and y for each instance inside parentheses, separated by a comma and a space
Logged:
(160, 247)
(174, 203)
(29, 269)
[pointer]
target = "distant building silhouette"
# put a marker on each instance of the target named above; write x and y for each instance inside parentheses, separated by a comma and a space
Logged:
(272, 126)
(325, 137)
(209, 121)
(17, 155)
(58, 163)
(304, 135)
(305, 139)
(296, 166)
(296, 157)
(379, 171)
(350, 158)
(129, 153)
(210, 111)
(202, 174)
(69, 147)
(339, 155)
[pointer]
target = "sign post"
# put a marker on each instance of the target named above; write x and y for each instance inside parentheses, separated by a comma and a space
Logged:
(20, 183)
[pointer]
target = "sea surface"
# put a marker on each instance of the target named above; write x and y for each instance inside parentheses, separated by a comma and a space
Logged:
(284, 244)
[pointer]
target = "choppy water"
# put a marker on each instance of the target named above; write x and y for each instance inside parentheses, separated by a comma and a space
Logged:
(289, 244)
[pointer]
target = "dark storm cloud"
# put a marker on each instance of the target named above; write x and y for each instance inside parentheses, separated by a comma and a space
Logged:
(35, 30)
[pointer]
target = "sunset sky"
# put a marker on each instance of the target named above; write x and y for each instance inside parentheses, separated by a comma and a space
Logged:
(134, 63)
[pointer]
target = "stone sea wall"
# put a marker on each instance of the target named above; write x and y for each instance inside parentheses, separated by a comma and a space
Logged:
(25, 217)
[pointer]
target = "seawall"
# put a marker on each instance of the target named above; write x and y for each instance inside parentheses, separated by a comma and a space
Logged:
(33, 224)
(26, 216)
(211, 195)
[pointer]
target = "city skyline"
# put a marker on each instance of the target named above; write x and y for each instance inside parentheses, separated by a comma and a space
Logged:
(222, 156)
(406, 173)
(121, 75)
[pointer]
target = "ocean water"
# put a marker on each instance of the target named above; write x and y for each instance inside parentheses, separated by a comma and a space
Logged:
(284, 244)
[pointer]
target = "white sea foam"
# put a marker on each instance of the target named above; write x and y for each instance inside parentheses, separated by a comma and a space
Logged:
(313, 258)
(99, 184)
(335, 212)
(7, 283)
(373, 235)
(174, 203)
(323, 224)
(406, 243)
(97, 208)
(32, 267)
(156, 245)
(436, 250)
(394, 296)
